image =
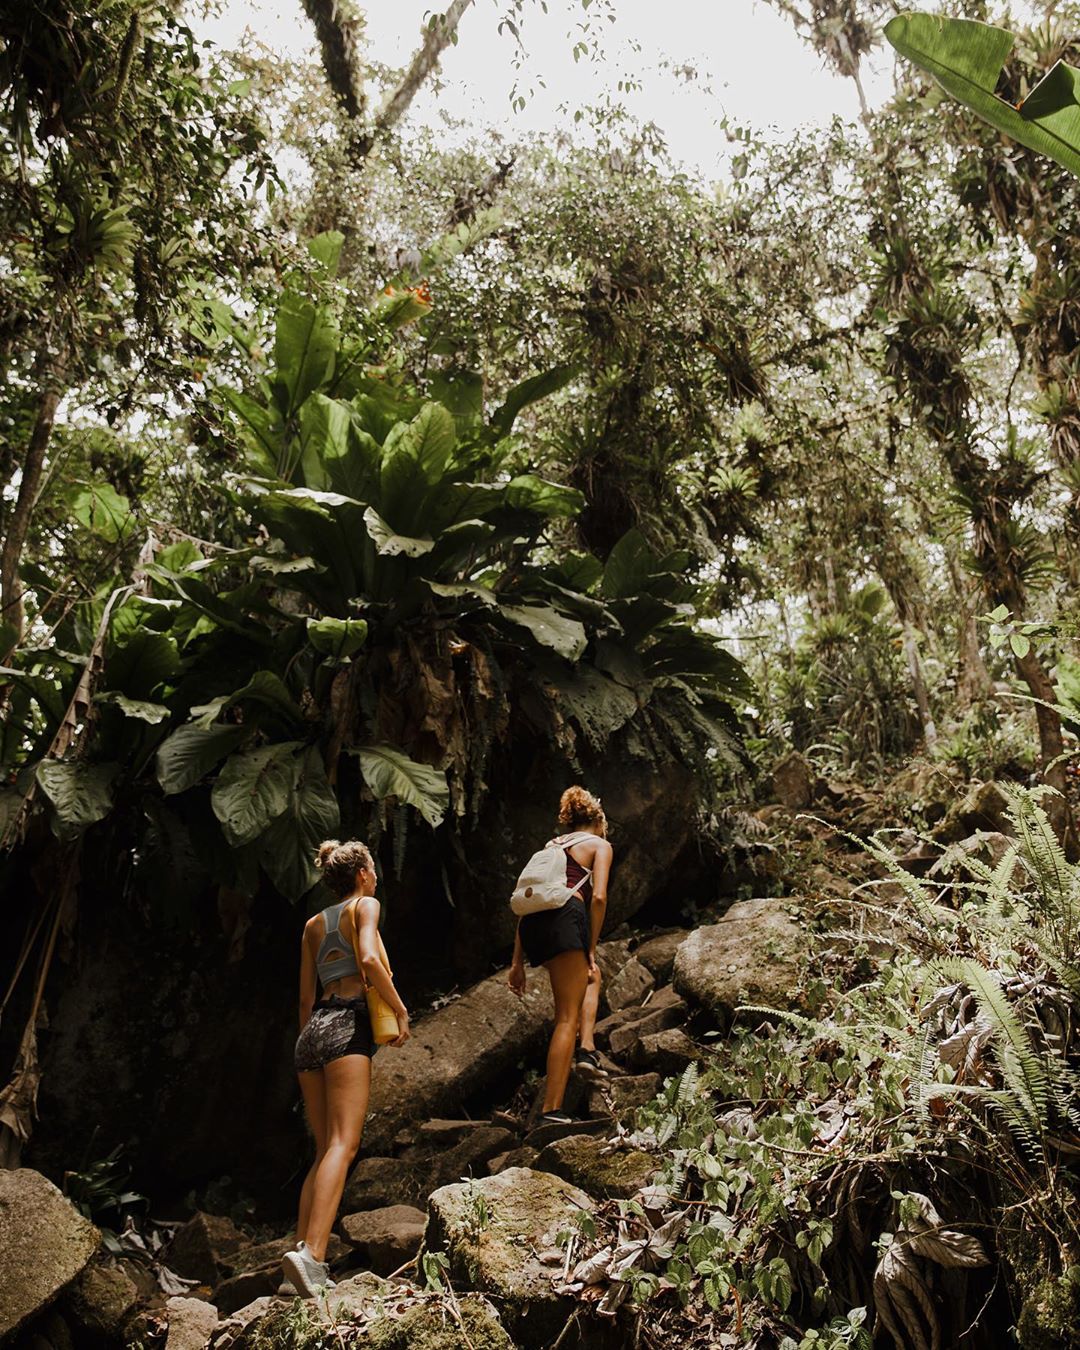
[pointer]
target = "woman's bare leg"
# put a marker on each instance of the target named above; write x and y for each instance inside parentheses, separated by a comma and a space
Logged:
(348, 1081)
(590, 1007)
(313, 1091)
(569, 973)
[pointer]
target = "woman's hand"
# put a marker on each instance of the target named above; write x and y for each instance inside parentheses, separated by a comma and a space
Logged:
(516, 978)
(594, 969)
(403, 1029)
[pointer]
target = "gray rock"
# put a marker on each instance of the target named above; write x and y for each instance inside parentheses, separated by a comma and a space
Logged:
(665, 1052)
(201, 1248)
(191, 1323)
(754, 955)
(657, 954)
(388, 1237)
(468, 1156)
(983, 807)
(455, 1052)
(495, 1233)
(517, 1157)
(44, 1243)
(590, 1163)
(423, 1326)
(239, 1290)
(793, 782)
(375, 1183)
(629, 985)
(99, 1299)
(672, 1014)
(622, 1096)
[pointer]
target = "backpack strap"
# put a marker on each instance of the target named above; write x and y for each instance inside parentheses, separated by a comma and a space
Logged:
(566, 842)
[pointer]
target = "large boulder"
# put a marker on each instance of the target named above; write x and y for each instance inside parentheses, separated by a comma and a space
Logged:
(375, 1183)
(367, 1311)
(598, 1168)
(44, 1244)
(657, 953)
(202, 1248)
(984, 806)
(98, 1301)
(754, 955)
(500, 1236)
(793, 781)
(386, 1238)
(622, 1096)
(466, 1158)
(191, 1323)
(454, 1053)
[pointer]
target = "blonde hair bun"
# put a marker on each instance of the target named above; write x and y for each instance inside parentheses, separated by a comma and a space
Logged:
(578, 806)
(339, 864)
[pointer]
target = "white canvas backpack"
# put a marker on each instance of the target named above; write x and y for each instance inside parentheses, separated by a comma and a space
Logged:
(542, 884)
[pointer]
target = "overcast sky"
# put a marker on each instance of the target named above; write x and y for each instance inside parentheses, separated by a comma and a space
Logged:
(762, 74)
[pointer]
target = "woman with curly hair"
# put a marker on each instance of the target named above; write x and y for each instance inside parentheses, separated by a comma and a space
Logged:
(339, 953)
(564, 942)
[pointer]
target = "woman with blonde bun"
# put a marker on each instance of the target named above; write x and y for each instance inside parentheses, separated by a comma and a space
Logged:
(339, 952)
(564, 941)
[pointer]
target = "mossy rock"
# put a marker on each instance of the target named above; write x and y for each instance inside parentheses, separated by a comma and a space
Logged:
(581, 1160)
(500, 1236)
(1050, 1317)
(430, 1326)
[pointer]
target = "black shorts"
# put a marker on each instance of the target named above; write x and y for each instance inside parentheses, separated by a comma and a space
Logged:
(337, 1027)
(551, 931)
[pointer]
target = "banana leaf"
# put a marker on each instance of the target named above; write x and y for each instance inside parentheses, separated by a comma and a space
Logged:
(966, 58)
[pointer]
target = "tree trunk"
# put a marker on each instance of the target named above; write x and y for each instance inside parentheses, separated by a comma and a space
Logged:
(51, 373)
(1051, 747)
(918, 684)
(973, 679)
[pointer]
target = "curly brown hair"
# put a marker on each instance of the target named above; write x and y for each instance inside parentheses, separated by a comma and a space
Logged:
(339, 864)
(578, 808)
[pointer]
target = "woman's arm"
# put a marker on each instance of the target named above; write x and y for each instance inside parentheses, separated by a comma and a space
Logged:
(307, 979)
(516, 979)
(601, 870)
(365, 917)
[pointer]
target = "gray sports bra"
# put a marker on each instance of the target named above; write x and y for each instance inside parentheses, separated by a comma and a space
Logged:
(336, 958)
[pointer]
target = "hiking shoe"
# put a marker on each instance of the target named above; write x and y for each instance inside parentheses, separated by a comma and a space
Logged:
(587, 1063)
(307, 1276)
(556, 1118)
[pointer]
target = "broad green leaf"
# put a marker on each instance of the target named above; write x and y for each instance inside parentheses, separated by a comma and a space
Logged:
(966, 58)
(134, 707)
(179, 556)
(389, 773)
(81, 794)
(550, 628)
(388, 543)
(530, 391)
(188, 755)
(260, 428)
(142, 662)
(288, 845)
(102, 509)
(270, 565)
(1020, 645)
(415, 458)
(629, 566)
(460, 590)
(252, 790)
(527, 492)
(326, 248)
(337, 637)
(399, 308)
(324, 435)
(265, 688)
(462, 392)
(304, 347)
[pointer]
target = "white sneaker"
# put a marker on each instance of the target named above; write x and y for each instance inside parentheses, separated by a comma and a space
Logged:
(307, 1276)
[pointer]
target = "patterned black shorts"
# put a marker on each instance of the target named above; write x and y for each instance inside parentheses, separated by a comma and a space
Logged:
(336, 1027)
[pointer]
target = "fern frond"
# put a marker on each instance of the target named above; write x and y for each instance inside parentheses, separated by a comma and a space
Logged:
(1024, 1074)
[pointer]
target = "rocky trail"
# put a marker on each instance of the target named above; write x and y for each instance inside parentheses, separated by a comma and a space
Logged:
(463, 1223)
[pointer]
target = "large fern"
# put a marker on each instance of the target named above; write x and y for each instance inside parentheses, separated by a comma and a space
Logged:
(1026, 1092)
